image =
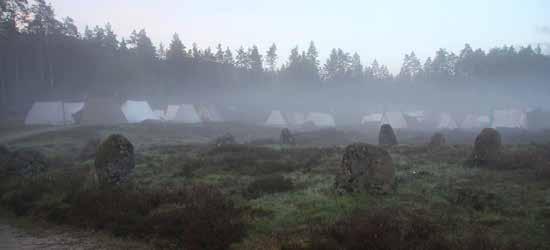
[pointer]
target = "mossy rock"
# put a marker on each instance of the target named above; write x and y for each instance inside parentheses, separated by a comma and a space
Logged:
(114, 161)
(387, 136)
(365, 167)
(287, 138)
(487, 148)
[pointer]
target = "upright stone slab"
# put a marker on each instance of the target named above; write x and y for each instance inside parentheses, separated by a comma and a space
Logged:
(486, 147)
(387, 136)
(114, 160)
(365, 167)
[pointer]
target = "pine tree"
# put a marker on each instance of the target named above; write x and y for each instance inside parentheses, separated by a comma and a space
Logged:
(228, 57)
(219, 54)
(176, 50)
(271, 58)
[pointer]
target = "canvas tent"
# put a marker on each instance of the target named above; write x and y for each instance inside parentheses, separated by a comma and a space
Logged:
(372, 118)
(187, 114)
(474, 121)
(138, 111)
(71, 108)
(321, 119)
(511, 118)
(276, 119)
(395, 119)
(296, 118)
(209, 113)
(101, 111)
(160, 114)
(52, 113)
(45, 113)
(446, 121)
(171, 112)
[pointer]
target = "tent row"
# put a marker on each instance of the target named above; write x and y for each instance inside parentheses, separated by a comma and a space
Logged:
(107, 111)
(444, 120)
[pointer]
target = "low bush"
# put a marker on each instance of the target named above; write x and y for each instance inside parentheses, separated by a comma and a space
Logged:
(396, 229)
(474, 198)
(191, 217)
(382, 229)
(268, 185)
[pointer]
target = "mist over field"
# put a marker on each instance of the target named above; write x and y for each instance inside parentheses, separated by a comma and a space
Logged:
(247, 124)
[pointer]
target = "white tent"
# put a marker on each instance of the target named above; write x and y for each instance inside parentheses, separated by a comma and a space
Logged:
(372, 118)
(160, 114)
(296, 118)
(446, 121)
(171, 112)
(418, 115)
(209, 113)
(395, 119)
(187, 114)
(511, 118)
(138, 111)
(53, 113)
(276, 119)
(45, 113)
(71, 108)
(474, 121)
(321, 119)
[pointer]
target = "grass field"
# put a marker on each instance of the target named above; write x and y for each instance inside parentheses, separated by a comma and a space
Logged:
(268, 196)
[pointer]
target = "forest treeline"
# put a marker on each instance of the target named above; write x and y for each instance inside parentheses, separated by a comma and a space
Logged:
(45, 57)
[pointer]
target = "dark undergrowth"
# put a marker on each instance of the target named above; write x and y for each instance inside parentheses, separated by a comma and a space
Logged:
(195, 216)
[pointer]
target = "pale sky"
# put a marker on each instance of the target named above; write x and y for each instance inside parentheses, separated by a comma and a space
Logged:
(384, 30)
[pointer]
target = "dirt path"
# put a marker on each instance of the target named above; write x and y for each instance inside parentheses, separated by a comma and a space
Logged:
(12, 238)
(57, 238)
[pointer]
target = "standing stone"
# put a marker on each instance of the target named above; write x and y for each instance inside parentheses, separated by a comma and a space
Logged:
(287, 138)
(437, 140)
(26, 163)
(486, 147)
(114, 160)
(387, 136)
(365, 167)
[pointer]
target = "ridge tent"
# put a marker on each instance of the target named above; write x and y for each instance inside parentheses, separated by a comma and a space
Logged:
(372, 118)
(72, 108)
(511, 118)
(138, 111)
(296, 118)
(276, 119)
(321, 119)
(100, 111)
(209, 113)
(45, 113)
(473, 121)
(187, 114)
(446, 121)
(160, 114)
(395, 119)
(53, 113)
(171, 112)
